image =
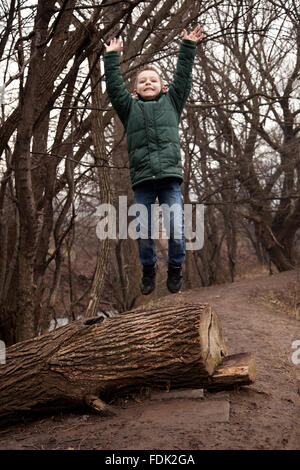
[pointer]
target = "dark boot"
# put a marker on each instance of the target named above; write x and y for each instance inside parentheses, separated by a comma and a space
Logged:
(148, 279)
(174, 280)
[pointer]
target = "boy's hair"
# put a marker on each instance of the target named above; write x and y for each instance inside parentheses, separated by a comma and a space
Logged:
(147, 67)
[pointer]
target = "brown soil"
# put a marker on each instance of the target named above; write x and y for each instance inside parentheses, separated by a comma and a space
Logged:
(264, 415)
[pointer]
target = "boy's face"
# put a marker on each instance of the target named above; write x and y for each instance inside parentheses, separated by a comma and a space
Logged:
(148, 84)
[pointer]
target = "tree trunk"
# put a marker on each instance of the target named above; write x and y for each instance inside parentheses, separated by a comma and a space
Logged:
(101, 160)
(25, 326)
(165, 347)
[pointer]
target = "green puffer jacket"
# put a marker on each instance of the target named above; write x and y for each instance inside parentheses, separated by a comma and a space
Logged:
(152, 126)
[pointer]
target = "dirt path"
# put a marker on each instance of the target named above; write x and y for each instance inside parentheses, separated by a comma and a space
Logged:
(264, 415)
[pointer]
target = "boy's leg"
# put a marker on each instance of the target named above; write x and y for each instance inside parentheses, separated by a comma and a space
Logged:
(146, 195)
(170, 198)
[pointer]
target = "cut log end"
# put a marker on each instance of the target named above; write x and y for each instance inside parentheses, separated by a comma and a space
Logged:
(235, 370)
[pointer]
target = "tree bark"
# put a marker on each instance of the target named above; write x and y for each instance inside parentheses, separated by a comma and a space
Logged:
(101, 160)
(23, 175)
(88, 361)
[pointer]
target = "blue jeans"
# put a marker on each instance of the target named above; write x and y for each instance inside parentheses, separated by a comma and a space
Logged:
(168, 193)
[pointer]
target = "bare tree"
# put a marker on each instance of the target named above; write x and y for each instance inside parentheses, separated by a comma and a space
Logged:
(51, 59)
(246, 102)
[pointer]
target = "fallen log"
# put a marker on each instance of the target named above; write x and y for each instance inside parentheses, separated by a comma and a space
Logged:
(86, 362)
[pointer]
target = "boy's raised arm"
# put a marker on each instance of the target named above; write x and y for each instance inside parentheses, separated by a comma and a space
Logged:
(180, 87)
(118, 94)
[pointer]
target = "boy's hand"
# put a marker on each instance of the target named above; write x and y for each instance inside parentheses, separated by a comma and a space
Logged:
(114, 45)
(195, 36)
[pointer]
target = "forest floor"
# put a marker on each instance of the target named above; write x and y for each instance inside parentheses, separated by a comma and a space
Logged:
(258, 315)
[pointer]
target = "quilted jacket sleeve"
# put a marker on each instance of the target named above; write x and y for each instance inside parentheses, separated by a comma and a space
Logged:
(118, 94)
(182, 82)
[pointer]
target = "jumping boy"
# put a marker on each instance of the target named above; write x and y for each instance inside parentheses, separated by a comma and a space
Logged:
(151, 117)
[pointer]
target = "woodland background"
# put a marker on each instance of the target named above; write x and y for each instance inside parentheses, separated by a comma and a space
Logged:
(63, 150)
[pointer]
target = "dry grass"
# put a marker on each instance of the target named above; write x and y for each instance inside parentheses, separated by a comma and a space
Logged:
(285, 300)
(253, 272)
